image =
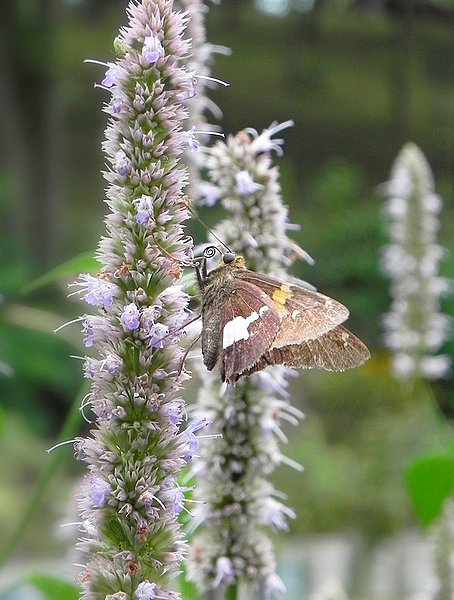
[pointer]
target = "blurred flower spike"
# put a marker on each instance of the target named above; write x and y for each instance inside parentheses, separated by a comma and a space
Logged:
(231, 545)
(415, 327)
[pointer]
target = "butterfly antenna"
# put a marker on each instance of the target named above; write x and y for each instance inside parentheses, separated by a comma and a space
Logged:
(195, 214)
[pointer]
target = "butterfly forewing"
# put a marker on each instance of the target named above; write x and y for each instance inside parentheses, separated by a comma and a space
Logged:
(305, 314)
(250, 324)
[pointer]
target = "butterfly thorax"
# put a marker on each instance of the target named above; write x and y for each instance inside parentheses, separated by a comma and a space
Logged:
(218, 284)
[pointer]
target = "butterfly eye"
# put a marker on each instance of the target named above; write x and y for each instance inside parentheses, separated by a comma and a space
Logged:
(228, 257)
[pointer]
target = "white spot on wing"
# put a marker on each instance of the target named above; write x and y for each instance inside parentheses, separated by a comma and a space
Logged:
(345, 336)
(238, 328)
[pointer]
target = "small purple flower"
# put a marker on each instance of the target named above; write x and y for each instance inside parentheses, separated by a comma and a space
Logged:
(130, 317)
(152, 49)
(145, 591)
(173, 411)
(225, 572)
(193, 446)
(191, 439)
(98, 292)
(79, 449)
(102, 369)
(177, 504)
(122, 163)
(116, 105)
(273, 585)
(158, 335)
(192, 141)
(147, 498)
(88, 334)
(264, 143)
(209, 193)
(276, 514)
(99, 488)
(111, 76)
(145, 211)
(173, 496)
(110, 364)
(245, 185)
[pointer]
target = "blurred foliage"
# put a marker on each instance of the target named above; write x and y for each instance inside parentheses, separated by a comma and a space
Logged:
(23, 462)
(359, 83)
(356, 452)
(430, 481)
(42, 587)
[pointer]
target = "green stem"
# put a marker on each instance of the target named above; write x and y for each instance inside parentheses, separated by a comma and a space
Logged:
(56, 459)
(232, 593)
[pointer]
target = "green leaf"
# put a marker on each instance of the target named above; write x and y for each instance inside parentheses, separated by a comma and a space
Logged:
(82, 263)
(430, 480)
(54, 588)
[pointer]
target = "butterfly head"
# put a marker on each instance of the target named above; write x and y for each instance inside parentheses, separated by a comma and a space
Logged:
(228, 258)
(230, 262)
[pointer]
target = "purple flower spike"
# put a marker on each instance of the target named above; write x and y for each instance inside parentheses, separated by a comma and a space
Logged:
(132, 540)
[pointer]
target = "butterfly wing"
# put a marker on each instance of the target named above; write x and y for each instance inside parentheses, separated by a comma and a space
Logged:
(305, 314)
(251, 320)
(250, 323)
(337, 350)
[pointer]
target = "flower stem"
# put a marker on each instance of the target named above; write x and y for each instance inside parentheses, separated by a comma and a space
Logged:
(232, 592)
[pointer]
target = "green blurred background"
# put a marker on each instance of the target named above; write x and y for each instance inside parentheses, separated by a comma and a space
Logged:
(359, 79)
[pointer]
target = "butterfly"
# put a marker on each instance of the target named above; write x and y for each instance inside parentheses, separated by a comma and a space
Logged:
(251, 321)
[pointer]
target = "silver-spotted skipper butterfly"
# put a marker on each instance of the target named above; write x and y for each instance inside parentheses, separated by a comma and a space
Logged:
(251, 321)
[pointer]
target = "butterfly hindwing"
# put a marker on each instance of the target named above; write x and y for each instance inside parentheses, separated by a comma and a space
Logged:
(337, 350)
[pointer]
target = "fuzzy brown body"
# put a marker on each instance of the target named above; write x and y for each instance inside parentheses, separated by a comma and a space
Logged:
(251, 321)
